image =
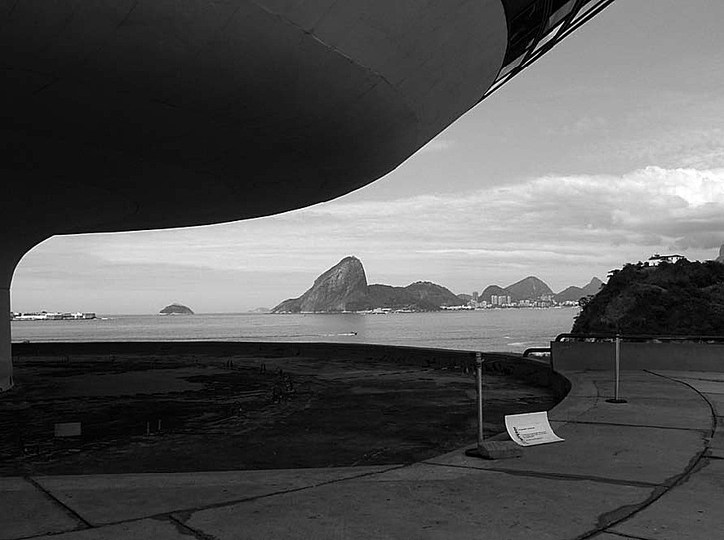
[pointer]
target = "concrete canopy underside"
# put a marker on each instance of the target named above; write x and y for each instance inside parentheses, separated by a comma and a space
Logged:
(144, 114)
(147, 114)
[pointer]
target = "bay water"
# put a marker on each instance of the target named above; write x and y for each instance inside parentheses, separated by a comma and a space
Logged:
(512, 330)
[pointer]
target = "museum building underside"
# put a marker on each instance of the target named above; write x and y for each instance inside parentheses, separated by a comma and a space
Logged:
(143, 114)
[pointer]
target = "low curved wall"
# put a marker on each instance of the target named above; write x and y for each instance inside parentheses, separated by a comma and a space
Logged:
(580, 355)
(530, 371)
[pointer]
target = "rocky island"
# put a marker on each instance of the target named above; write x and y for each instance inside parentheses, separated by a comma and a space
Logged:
(176, 309)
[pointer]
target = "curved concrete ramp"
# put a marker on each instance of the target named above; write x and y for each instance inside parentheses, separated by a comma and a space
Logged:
(648, 469)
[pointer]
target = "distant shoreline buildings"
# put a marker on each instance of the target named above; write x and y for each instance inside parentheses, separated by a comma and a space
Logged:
(657, 259)
(51, 316)
(505, 302)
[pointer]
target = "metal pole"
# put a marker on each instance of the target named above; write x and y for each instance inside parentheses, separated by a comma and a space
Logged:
(617, 372)
(491, 449)
(618, 364)
(479, 367)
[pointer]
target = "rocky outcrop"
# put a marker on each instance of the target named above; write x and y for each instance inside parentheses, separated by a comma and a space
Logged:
(344, 288)
(176, 309)
(720, 258)
(341, 288)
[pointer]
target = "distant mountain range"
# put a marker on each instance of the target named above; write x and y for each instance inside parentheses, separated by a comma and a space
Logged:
(573, 294)
(344, 288)
(533, 288)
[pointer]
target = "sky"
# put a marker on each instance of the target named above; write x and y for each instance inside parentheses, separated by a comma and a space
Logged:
(607, 150)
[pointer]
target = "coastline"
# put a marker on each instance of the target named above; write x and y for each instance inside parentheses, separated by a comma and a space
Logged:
(491, 330)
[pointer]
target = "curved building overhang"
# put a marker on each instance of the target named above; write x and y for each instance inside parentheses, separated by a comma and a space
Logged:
(151, 114)
(145, 114)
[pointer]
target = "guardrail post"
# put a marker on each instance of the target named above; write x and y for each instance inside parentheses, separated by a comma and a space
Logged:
(490, 449)
(479, 371)
(617, 372)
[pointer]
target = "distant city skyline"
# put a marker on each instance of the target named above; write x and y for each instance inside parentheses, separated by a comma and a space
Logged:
(606, 151)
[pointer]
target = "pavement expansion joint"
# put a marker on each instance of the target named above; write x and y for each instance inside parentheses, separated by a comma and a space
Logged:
(182, 514)
(178, 517)
(622, 424)
(701, 394)
(186, 529)
(614, 533)
(67, 509)
(622, 513)
(697, 462)
(550, 475)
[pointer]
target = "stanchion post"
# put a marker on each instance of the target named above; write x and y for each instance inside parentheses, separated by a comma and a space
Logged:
(490, 449)
(617, 372)
(618, 365)
(479, 371)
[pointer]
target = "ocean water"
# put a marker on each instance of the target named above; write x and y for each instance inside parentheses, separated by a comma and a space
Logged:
(489, 330)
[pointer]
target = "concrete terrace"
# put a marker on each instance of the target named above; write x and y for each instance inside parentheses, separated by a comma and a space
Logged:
(648, 469)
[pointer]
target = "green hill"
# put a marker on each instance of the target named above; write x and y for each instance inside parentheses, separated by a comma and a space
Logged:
(530, 288)
(686, 298)
(433, 293)
(491, 290)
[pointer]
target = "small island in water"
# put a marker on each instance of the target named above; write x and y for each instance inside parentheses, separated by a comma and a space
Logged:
(176, 309)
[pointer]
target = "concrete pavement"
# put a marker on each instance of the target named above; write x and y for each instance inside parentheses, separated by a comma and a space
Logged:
(647, 469)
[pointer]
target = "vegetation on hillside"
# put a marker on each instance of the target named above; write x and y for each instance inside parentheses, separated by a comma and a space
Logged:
(686, 298)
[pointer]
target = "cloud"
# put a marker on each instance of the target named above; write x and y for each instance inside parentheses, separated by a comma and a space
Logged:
(696, 147)
(555, 210)
(563, 228)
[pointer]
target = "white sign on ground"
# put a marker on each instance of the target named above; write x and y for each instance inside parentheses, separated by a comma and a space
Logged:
(530, 429)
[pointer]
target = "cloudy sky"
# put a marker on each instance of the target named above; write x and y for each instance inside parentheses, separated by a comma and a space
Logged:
(609, 149)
